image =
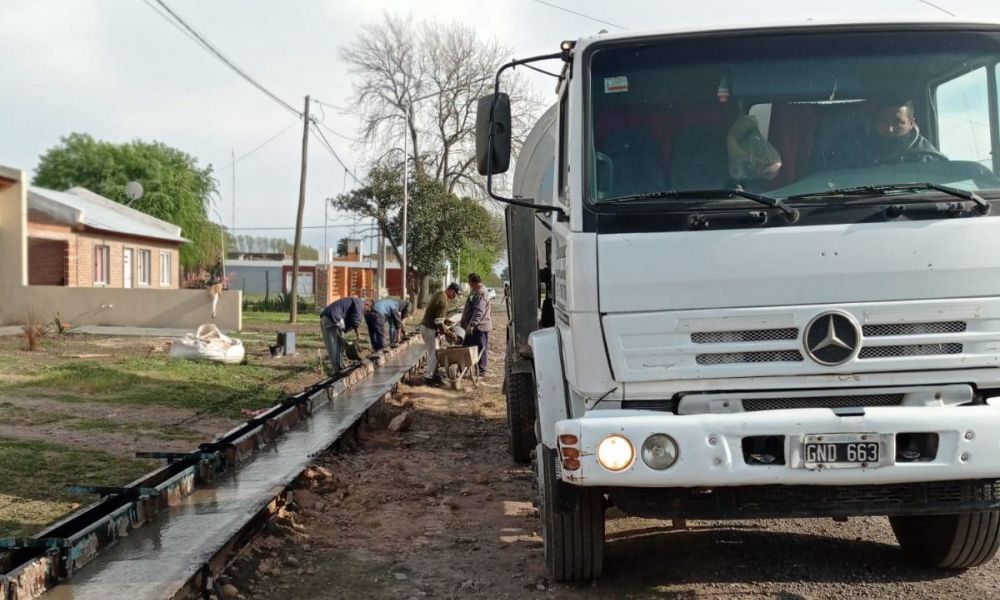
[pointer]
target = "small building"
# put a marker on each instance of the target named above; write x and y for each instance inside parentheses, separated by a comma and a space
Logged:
(267, 277)
(78, 238)
(348, 275)
(73, 254)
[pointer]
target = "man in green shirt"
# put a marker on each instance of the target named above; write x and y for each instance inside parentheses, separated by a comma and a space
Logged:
(433, 324)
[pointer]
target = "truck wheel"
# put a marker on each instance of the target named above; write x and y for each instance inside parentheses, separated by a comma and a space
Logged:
(955, 541)
(573, 540)
(520, 389)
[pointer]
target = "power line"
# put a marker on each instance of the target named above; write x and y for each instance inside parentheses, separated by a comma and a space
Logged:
(332, 224)
(340, 135)
(329, 147)
(328, 105)
(173, 23)
(204, 43)
(266, 142)
(580, 14)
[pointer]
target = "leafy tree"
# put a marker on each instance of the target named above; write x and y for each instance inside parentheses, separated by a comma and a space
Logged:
(476, 257)
(440, 223)
(342, 247)
(176, 189)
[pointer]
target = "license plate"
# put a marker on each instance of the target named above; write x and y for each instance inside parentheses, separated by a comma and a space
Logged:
(843, 450)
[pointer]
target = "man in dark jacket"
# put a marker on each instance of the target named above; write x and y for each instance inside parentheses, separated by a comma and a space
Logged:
(897, 137)
(337, 318)
(893, 138)
(376, 327)
(476, 320)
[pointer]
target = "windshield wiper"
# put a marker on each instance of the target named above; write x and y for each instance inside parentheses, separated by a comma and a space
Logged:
(792, 214)
(982, 206)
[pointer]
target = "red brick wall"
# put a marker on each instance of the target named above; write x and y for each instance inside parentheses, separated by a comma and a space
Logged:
(85, 261)
(47, 261)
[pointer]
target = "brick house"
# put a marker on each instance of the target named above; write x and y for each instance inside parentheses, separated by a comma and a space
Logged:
(78, 238)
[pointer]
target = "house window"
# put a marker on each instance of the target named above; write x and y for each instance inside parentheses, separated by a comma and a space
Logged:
(165, 269)
(145, 262)
(102, 264)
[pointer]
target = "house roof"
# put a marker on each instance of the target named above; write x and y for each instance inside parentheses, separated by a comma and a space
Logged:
(274, 264)
(80, 206)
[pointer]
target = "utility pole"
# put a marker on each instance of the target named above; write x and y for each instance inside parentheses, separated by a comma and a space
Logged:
(406, 206)
(294, 292)
(232, 153)
(381, 262)
(326, 230)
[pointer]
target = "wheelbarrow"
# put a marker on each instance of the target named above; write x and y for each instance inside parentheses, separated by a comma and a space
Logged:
(458, 364)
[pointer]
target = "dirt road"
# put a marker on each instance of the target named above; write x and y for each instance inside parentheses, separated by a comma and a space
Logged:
(439, 511)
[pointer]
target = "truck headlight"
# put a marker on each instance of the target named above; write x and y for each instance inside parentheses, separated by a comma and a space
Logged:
(659, 451)
(615, 453)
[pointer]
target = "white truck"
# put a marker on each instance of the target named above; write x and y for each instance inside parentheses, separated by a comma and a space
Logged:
(755, 273)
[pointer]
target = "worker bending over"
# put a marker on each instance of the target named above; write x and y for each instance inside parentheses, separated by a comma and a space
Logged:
(335, 320)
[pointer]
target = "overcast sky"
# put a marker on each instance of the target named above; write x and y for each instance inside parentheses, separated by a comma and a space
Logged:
(118, 71)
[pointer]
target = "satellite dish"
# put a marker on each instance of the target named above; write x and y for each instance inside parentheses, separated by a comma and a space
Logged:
(133, 190)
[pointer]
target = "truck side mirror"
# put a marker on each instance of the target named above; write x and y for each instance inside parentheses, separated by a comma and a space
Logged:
(499, 155)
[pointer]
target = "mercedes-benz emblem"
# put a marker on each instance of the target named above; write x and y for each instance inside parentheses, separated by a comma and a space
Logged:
(832, 338)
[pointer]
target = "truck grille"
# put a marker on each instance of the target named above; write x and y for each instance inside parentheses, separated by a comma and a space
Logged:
(887, 329)
(909, 350)
(747, 335)
(755, 404)
(749, 357)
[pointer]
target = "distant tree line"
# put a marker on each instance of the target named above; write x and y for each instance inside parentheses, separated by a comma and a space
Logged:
(272, 245)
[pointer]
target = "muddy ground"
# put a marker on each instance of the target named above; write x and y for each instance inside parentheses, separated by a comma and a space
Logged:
(440, 511)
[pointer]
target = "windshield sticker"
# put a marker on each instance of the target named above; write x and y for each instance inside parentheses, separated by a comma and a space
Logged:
(614, 85)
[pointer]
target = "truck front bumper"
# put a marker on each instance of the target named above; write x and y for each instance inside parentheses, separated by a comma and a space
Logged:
(711, 452)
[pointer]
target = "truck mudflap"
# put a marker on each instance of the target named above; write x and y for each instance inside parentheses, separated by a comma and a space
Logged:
(817, 446)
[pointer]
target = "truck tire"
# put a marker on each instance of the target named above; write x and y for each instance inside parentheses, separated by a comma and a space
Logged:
(956, 541)
(573, 540)
(520, 391)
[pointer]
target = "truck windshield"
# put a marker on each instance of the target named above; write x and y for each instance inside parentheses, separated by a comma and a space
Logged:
(793, 114)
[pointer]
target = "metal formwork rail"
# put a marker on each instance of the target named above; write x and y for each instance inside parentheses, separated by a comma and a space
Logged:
(29, 567)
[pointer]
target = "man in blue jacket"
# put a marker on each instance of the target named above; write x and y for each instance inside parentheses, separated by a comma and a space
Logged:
(337, 318)
(393, 311)
(477, 321)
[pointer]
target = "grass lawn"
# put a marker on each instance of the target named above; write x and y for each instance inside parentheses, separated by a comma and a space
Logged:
(76, 368)
(210, 388)
(126, 390)
(32, 492)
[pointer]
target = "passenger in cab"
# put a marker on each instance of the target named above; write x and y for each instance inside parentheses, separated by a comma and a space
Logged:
(751, 157)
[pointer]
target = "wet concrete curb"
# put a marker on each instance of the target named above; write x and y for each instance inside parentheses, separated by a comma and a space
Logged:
(40, 563)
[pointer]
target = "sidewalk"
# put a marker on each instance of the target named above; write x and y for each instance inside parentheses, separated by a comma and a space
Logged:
(109, 330)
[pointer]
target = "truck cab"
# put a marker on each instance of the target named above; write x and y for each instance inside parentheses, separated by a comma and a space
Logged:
(755, 272)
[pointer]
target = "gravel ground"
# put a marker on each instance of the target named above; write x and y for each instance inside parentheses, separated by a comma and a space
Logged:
(439, 511)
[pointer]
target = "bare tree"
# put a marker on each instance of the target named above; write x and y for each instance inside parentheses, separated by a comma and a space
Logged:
(424, 81)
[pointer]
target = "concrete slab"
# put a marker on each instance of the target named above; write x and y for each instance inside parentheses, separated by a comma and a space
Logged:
(11, 330)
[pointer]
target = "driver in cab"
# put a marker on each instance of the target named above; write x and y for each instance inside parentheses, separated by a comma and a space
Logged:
(894, 138)
(897, 137)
